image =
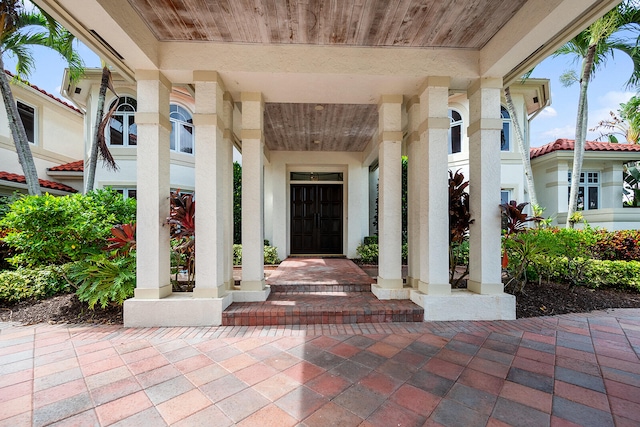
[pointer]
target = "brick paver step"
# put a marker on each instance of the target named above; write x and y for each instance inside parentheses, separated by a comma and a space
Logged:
(321, 308)
(315, 288)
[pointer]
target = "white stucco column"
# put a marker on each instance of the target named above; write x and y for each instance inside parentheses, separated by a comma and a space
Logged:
(209, 180)
(252, 192)
(433, 187)
(611, 180)
(152, 120)
(227, 182)
(484, 186)
(390, 192)
(413, 192)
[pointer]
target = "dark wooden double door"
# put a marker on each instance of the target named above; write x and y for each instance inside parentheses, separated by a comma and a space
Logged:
(316, 218)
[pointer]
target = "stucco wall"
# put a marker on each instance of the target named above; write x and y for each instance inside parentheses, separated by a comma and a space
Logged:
(277, 196)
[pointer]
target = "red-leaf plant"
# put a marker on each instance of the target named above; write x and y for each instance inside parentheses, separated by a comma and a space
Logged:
(182, 219)
(123, 240)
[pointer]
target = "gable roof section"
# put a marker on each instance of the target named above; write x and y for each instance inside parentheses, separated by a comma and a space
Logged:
(568, 144)
(45, 93)
(77, 166)
(20, 179)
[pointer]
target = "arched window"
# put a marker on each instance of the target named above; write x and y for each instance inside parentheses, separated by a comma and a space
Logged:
(123, 131)
(505, 135)
(181, 129)
(455, 132)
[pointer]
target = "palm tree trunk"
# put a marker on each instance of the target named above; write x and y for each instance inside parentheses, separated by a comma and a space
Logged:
(93, 156)
(522, 148)
(581, 133)
(19, 135)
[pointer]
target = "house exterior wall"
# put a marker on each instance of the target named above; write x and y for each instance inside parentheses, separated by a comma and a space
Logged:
(277, 195)
(511, 168)
(552, 185)
(58, 135)
(182, 165)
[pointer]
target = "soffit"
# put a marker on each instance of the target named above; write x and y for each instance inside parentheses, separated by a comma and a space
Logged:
(319, 127)
(373, 23)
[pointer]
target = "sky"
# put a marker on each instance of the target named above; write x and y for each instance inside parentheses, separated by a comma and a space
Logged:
(606, 91)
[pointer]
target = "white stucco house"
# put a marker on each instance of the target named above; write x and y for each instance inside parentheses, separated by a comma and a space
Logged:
(54, 129)
(600, 196)
(313, 95)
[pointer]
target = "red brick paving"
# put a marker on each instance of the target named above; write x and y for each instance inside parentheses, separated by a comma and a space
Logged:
(307, 291)
(571, 370)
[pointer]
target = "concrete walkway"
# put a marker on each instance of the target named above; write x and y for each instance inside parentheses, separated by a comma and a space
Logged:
(562, 371)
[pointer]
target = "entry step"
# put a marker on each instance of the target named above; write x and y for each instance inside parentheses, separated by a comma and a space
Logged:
(326, 308)
(307, 288)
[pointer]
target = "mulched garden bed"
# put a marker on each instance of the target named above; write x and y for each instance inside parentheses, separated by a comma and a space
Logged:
(537, 300)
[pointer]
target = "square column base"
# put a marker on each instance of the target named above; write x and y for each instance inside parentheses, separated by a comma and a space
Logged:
(388, 294)
(252, 285)
(462, 304)
(413, 282)
(251, 296)
(175, 310)
(389, 283)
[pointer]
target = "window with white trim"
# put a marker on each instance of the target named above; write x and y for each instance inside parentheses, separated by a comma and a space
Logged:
(181, 129)
(505, 196)
(505, 135)
(127, 192)
(28, 116)
(588, 191)
(123, 131)
(455, 132)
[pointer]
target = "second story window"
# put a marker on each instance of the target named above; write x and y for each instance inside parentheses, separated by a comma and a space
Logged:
(181, 129)
(28, 116)
(505, 135)
(455, 132)
(122, 130)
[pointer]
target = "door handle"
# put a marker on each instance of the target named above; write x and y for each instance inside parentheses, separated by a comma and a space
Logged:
(317, 215)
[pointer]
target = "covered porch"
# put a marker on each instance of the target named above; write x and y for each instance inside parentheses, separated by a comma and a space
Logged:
(327, 90)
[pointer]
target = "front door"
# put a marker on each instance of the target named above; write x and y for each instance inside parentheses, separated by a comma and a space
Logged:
(316, 219)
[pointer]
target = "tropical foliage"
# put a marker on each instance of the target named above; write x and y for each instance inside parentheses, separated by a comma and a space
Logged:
(21, 29)
(592, 47)
(47, 230)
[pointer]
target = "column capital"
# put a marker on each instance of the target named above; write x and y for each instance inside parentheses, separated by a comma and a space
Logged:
(152, 75)
(485, 83)
(252, 96)
(390, 99)
(435, 81)
(413, 101)
(206, 76)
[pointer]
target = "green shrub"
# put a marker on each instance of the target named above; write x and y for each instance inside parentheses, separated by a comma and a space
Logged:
(270, 255)
(368, 253)
(370, 240)
(56, 230)
(104, 280)
(237, 254)
(405, 252)
(26, 283)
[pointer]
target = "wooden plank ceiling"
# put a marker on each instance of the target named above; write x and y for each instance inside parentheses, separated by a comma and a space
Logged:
(467, 24)
(319, 127)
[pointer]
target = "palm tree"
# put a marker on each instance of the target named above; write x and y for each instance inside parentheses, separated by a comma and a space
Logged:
(523, 148)
(593, 47)
(98, 144)
(19, 30)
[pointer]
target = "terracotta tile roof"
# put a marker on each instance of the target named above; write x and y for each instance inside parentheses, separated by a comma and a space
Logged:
(44, 92)
(6, 176)
(567, 144)
(77, 166)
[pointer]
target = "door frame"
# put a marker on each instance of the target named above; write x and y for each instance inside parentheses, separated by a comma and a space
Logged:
(345, 202)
